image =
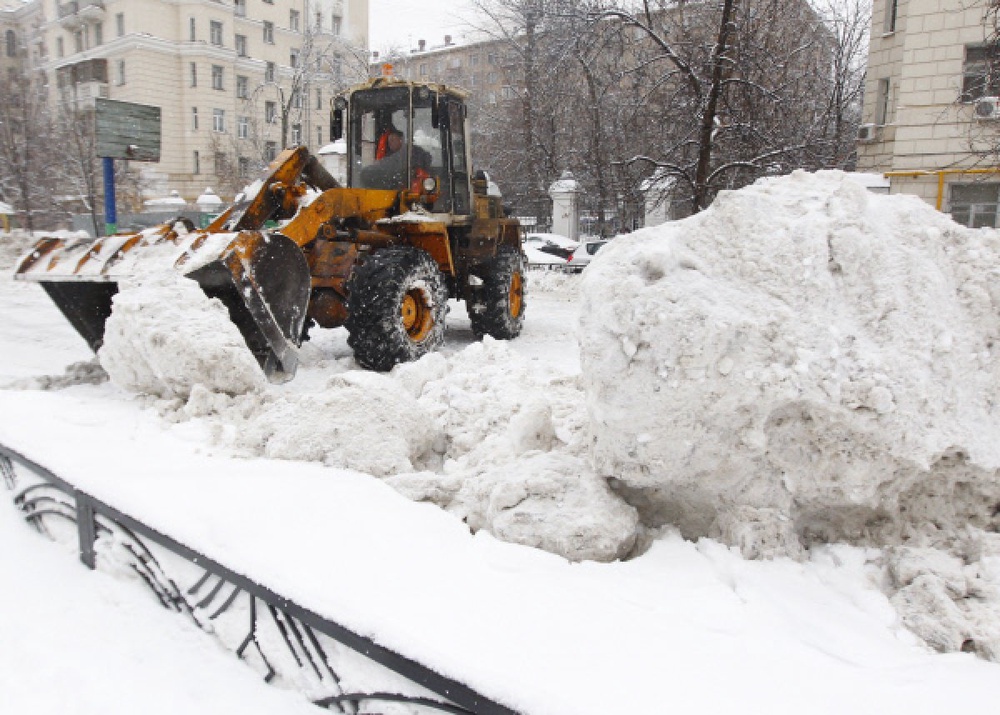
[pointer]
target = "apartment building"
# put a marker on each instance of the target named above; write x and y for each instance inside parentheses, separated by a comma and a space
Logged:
(931, 118)
(478, 67)
(235, 79)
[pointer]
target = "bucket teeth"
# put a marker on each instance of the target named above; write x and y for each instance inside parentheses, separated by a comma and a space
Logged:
(263, 280)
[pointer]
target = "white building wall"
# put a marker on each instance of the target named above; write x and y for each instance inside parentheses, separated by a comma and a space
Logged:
(155, 50)
(927, 129)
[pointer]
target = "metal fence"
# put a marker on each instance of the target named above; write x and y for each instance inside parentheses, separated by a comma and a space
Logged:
(311, 649)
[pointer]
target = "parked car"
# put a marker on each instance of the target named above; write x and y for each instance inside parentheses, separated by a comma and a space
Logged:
(538, 258)
(551, 243)
(579, 259)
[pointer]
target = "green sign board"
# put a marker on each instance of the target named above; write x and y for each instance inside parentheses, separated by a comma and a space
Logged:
(128, 131)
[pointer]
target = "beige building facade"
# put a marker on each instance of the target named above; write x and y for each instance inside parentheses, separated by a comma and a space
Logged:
(235, 79)
(931, 117)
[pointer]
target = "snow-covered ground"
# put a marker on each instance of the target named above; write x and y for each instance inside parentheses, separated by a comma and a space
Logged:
(290, 485)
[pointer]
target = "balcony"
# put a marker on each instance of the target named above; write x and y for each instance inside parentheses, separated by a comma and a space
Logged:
(84, 95)
(78, 12)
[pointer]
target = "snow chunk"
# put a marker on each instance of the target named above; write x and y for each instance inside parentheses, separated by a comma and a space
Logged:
(552, 502)
(165, 336)
(803, 362)
(362, 421)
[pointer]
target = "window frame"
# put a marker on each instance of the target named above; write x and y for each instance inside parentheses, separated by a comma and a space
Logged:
(215, 30)
(218, 78)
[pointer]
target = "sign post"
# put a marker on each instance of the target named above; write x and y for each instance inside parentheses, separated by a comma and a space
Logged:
(124, 131)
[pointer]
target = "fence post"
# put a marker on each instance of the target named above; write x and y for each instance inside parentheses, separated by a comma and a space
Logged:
(87, 529)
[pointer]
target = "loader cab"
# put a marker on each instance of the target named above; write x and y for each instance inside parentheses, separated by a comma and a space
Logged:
(406, 136)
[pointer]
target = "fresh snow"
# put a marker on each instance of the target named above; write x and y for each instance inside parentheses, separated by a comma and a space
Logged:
(310, 487)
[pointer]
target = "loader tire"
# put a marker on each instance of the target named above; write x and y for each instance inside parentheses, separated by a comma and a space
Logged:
(396, 307)
(498, 308)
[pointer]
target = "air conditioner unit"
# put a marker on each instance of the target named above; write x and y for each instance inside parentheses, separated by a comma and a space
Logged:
(987, 108)
(867, 132)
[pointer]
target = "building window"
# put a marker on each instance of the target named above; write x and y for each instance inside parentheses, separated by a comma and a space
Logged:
(474, 60)
(975, 205)
(78, 40)
(268, 32)
(891, 11)
(120, 24)
(197, 163)
(293, 20)
(270, 150)
(882, 101)
(335, 24)
(977, 79)
(293, 58)
(319, 20)
(60, 47)
(423, 69)
(319, 99)
(218, 120)
(270, 112)
(296, 134)
(242, 127)
(191, 27)
(269, 72)
(319, 136)
(194, 74)
(244, 165)
(215, 33)
(269, 2)
(242, 87)
(241, 45)
(11, 42)
(120, 72)
(98, 34)
(491, 78)
(221, 163)
(194, 118)
(241, 8)
(217, 77)
(296, 99)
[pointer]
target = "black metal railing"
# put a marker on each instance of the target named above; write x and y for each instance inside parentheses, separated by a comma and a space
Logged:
(52, 499)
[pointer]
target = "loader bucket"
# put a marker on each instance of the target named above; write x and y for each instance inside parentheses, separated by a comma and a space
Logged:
(262, 279)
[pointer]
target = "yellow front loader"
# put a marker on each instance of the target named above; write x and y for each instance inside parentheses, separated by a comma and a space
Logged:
(412, 228)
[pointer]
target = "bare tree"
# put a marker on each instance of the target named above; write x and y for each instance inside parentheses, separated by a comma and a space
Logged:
(704, 95)
(27, 159)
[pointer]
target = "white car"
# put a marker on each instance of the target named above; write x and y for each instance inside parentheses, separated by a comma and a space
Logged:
(583, 255)
(551, 243)
(541, 259)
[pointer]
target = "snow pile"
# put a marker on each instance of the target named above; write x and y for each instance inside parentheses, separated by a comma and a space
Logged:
(485, 434)
(13, 246)
(360, 420)
(805, 361)
(165, 336)
(514, 455)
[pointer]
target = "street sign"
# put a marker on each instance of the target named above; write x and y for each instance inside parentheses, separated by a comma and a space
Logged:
(127, 131)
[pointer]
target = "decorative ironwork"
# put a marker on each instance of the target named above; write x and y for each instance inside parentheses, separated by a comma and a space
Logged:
(311, 649)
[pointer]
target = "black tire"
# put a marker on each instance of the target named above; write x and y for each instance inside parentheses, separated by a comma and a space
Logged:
(396, 307)
(498, 307)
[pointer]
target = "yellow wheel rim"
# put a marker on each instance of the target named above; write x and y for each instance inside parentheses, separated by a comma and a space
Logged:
(418, 319)
(516, 294)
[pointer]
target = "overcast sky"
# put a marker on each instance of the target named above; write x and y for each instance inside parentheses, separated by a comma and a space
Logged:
(403, 22)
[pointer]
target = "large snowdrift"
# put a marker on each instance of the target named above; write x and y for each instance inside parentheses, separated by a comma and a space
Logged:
(808, 362)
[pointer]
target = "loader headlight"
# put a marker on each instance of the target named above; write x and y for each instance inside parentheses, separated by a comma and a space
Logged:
(430, 184)
(340, 103)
